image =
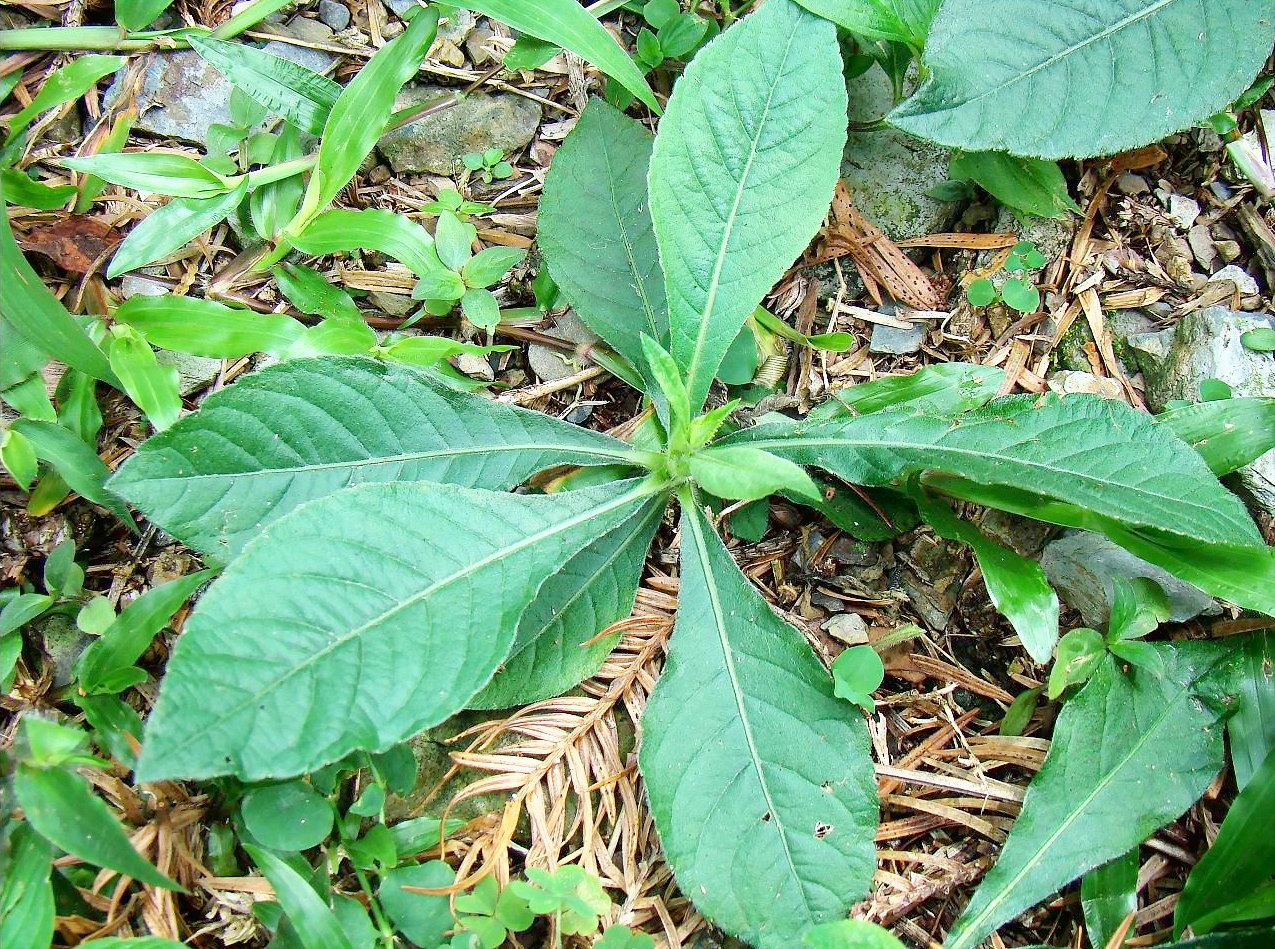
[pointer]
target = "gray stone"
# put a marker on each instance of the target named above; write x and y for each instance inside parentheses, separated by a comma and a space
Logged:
(1069, 382)
(1129, 183)
(889, 172)
(1082, 567)
(1206, 345)
(551, 364)
(333, 14)
(895, 341)
(400, 6)
(181, 95)
(478, 122)
(1201, 242)
(395, 304)
(307, 30)
(194, 373)
(1241, 278)
(135, 285)
(456, 25)
(1183, 210)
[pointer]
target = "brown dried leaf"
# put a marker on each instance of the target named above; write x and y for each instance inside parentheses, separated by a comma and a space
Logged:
(77, 243)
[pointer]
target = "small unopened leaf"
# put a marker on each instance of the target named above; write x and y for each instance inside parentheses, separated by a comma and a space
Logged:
(1079, 653)
(489, 265)
(747, 474)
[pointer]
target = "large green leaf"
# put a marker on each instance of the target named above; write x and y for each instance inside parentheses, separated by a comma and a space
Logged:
(1241, 858)
(1129, 754)
(1252, 728)
(566, 23)
(1228, 433)
(902, 21)
(1100, 455)
(760, 781)
(742, 174)
(309, 427)
(358, 620)
(593, 590)
(596, 233)
(1085, 77)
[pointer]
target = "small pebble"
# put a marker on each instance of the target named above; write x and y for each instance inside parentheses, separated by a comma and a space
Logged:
(1131, 184)
(1201, 242)
(895, 341)
(335, 15)
(1183, 210)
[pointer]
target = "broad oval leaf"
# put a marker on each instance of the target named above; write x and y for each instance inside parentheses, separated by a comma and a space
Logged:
(358, 620)
(1087, 451)
(370, 229)
(742, 173)
(760, 780)
(1129, 754)
(1086, 77)
(309, 427)
(595, 230)
(593, 590)
(900, 21)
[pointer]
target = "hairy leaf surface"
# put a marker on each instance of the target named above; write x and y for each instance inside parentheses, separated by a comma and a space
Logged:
(595, 230)
(760, 781)
(1129, 754)
(359, 620)
(309, 427)
(742, 173)
(1084, 450)
(1082, 77)
(593, 590)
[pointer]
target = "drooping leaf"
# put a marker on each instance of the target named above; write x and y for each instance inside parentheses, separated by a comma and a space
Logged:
(208, 328)
(1016, 584)
(742, 173)
(64, 84)
(300, 95)
(315, 924)
(900, 21)
(26, 893)
(595, 231)
(590, 592)
(1091, 77)
(1240, 860)
(76, 462)
(1251, 729)
(151, 386)
(1228, 433)
(567, 24)
(1027, 185)
(1108, 894)
(370, 229)
(171, 173)
(358, 620)
(59, 804)
(760, 780)
(172, 226)
(22, 190)
(361, 114)
(1129, 754)
(309, 427)
(1083, 450)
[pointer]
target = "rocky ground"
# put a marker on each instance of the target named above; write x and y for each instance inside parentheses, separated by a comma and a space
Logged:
(1145, 298)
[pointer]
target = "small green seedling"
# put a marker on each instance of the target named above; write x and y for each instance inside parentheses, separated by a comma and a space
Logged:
(449, 199)
(1260, 340)
(856, 674)
(573, 897)
(465, 276)
(489, 165)
(1016, 292)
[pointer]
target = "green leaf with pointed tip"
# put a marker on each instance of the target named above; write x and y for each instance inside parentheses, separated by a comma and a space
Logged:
(151, 386)
(358, 620)
(26, 894)
(59, 805)
(64, 84)
(565, 23)
(948, 387)
(287, 435)
(760, 780)
(1251, 729)
(26, 192)
(315, 924)
(595, 230)
(1027, 185)
(1129, 754)
(1089, 77)
(173, 226)
(300, 95)
(899, 21)
(742, 174)
(73, 459)
(1228, 433)
(1084, 450)
(170, 173)
(137, 15)
(593, 590)
(1108, 894)
(746, 474)
(208, 328)
(1016, 584)
(370, 229)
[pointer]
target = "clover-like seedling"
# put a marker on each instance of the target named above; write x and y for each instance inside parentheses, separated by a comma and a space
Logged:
(856, 674)
(1016, 292)
(488, 165)
(574, 897)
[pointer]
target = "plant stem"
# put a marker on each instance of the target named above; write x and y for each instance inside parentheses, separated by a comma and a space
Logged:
(285, 169)
(378, 915)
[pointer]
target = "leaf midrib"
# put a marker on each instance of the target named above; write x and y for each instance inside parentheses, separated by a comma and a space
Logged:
(962, 938)
(728, 659)
(705, 315)
(1063, 54)
(639, 281)
(642, 490)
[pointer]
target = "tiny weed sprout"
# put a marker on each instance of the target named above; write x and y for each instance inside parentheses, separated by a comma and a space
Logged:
(390, 550)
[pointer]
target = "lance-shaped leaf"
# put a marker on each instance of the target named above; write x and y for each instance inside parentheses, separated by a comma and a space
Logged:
(901, 21)
(595, 230)
(309, 427)
(1089, 452)
(175, 224)
(358, 620)
(760, 780)
(1129, 71)
(946, 387)
(593, 590)
(1129, 754)
(742, 174)
(1228, 433)
(1251, 729)
(371, 229)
